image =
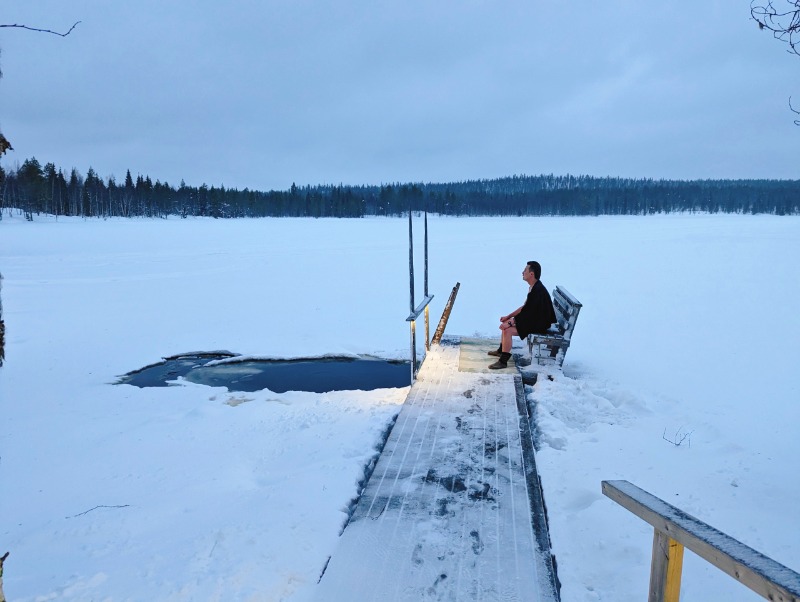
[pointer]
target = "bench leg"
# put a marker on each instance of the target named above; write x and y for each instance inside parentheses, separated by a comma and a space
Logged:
(539, 352)
(552, 351)
(555, 351)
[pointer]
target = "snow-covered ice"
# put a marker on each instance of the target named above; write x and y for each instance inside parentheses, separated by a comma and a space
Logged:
(110, 492)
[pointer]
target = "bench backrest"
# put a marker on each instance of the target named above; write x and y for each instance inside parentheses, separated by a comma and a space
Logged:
(567, 309)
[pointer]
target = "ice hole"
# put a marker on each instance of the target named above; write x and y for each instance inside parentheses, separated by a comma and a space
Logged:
(314, 374)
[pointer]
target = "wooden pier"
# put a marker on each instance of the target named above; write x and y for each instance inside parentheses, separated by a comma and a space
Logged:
(453, 508)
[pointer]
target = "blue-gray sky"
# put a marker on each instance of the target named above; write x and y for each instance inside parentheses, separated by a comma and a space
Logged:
(263, 93)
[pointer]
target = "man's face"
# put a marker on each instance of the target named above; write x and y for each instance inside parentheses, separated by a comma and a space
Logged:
(526, 273)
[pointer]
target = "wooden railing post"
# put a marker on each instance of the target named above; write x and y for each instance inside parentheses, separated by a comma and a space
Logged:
(437, 335)
(665, 569)
(675, 529)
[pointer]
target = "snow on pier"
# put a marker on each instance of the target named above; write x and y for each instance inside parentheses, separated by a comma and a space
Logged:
(447, 512)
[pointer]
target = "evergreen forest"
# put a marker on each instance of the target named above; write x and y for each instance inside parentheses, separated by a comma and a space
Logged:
(35, 189)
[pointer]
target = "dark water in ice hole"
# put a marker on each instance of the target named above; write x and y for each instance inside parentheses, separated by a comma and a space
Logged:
(317, 375)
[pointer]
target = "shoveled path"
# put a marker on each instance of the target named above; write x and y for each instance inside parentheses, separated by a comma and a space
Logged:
(452, 510)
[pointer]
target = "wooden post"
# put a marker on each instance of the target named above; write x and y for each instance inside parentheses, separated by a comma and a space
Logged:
(437, 336)
(427, 328)
(665, 569)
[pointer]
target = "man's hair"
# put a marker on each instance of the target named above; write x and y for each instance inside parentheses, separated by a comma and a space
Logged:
(535, 268)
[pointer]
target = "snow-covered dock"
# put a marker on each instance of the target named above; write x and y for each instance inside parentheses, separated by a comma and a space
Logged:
(452, 510)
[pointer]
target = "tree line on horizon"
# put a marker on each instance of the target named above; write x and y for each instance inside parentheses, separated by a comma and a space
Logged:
(36, 189)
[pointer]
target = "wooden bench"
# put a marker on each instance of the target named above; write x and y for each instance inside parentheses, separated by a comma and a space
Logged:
(555, 342)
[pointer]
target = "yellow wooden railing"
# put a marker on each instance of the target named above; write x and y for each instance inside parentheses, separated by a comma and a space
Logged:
(676, 530)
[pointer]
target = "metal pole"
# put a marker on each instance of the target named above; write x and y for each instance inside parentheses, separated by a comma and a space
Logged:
(427, 313)
(411, 261)
(411, 290)
(426, 252)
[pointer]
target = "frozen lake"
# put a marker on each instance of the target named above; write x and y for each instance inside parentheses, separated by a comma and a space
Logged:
(196, 492)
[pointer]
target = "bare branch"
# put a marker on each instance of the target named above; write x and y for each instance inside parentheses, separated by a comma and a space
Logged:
(679, 437)
(55, 33)
(95, 508)
(795, 111)
(784, 24)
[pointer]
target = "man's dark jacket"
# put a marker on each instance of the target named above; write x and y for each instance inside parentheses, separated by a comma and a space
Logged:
(537, 314)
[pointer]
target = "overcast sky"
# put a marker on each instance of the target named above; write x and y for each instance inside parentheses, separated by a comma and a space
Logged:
(263, 93)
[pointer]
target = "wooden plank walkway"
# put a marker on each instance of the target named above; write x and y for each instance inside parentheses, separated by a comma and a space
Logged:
(446, 514)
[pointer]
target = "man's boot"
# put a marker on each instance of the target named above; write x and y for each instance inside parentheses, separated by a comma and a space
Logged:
(502, 362)
(497, 352)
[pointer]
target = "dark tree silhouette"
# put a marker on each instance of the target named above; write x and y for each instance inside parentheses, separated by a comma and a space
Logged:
(35, 188)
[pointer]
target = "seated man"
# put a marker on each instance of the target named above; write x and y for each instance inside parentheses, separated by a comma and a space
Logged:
(535, 316)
